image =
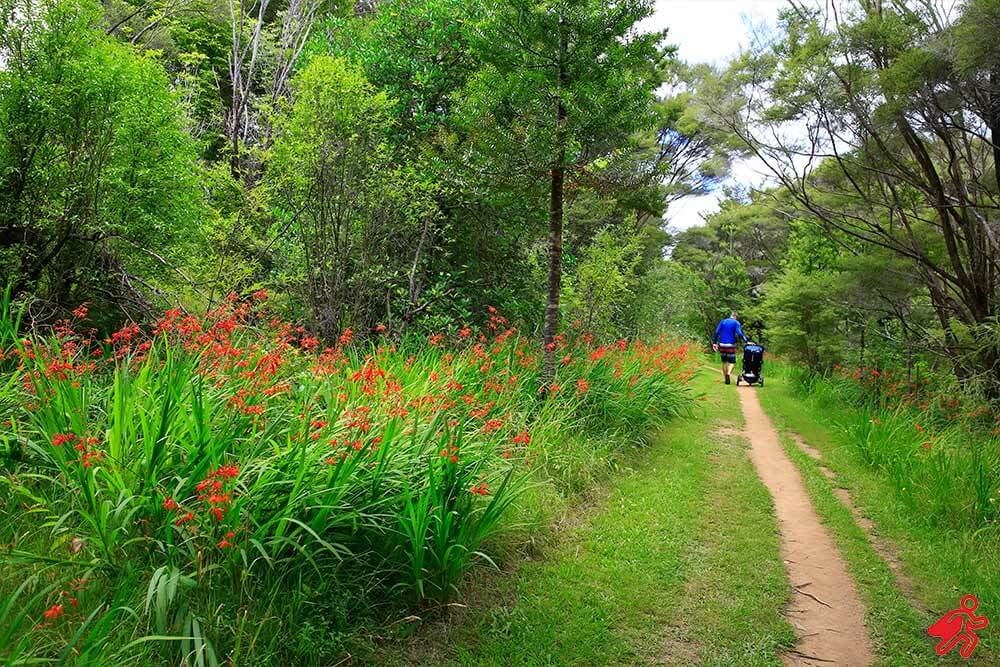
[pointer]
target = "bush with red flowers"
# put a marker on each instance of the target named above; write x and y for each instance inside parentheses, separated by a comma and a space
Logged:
(206, 467)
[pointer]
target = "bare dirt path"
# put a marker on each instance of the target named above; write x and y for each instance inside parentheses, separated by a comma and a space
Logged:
(825, 608)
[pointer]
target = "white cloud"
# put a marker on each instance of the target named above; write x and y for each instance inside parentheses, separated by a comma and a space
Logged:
(712, 31)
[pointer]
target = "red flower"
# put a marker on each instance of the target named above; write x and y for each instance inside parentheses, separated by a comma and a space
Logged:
(493, 425)
(55, 611)
(60, 439)
(582, 385)
(523, 438)
(346, 337)
(184, 518)
(919, 427)
(227, 471)
(80, 312)
(170, 504)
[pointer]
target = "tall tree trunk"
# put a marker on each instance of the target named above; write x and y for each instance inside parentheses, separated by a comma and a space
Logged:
(558, 177)
(555, 269)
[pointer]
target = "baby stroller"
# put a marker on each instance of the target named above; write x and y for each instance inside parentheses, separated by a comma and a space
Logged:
(753, 365)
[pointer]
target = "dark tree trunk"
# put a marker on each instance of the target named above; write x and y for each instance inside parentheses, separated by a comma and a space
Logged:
(555, 272)
(558, 177)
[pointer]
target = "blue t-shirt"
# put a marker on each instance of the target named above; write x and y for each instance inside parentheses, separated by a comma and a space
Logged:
(727, 331)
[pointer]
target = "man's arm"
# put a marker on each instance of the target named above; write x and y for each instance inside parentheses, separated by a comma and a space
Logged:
(718, 330)
(739, 332)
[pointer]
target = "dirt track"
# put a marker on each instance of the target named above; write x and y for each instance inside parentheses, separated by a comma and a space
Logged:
(825, 608)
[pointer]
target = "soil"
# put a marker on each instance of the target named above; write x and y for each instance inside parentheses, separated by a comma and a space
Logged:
(825, 607)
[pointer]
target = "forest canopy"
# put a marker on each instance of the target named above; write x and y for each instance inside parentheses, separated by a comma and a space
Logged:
(406, 163)
(400, 164)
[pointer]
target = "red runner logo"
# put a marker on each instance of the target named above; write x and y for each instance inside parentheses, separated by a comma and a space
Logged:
(959, 626)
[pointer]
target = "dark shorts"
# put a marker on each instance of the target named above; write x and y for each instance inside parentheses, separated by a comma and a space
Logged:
(728, 354)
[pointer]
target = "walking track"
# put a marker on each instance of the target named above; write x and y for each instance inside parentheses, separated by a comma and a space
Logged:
(825, 608)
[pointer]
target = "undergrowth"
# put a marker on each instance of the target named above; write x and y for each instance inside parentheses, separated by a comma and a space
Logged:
(223, 488)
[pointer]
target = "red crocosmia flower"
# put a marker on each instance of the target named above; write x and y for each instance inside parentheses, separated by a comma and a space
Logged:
(493, 425)
(582, 385)
(170, 504)
(260, 295)
(479, 489)
(598, 354)
(464, 332)
(218, 513)
(227, 471)
(551, 347)
(54, 612)
(346, 337)
(60, 439)
(523, 438)
(919, 427)
(926, 445)
(224, 544)
(491, 310)
(380, 328)
(183, 519)
(80, 312)
(622, 344)
(554, 388)
(568, 358)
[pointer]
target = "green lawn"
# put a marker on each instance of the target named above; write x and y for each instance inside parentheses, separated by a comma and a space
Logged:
(677, 564)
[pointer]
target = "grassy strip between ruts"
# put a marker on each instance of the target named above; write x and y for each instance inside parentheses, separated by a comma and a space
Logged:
(930, 558)
(678, 565)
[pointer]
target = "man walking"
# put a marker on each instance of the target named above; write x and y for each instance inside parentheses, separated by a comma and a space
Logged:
(724, 342)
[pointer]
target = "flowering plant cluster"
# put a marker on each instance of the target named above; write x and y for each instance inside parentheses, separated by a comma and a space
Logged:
(890, 388)
(938, 449)
(208, 450)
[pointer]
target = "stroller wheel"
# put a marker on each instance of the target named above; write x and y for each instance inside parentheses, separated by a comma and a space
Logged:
(762, 381)
(738, 378)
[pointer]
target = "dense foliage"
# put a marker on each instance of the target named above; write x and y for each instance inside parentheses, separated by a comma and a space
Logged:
(877, 242)
(384, 163)
(180, 492)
